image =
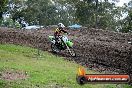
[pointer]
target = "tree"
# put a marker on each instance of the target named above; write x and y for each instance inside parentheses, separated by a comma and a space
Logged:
(41, 12)
(16, 7)
(126, 23)
(65, 12)
(85, 12)
(108, 15)
(93, 13)
(3, 4)
(45, 12)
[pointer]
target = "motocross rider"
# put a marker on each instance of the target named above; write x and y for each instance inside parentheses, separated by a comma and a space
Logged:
(59, 31)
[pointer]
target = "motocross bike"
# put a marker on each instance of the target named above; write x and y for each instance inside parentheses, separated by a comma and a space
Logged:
(63, 43)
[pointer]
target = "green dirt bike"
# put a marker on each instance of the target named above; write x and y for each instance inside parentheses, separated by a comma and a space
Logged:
(63, 43)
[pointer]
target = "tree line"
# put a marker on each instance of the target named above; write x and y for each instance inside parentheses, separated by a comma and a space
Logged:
(102, 14)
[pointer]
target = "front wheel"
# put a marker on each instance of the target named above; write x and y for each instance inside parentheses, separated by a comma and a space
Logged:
(71, 51)
(55, 48)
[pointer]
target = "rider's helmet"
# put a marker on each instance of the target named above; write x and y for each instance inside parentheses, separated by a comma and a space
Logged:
(61, 25)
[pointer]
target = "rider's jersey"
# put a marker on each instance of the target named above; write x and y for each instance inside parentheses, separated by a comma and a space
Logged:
(59, 31)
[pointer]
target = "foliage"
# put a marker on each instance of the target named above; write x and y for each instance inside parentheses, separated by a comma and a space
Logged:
(10, 23)
(103, 14)
(2, 6)
(126, 24)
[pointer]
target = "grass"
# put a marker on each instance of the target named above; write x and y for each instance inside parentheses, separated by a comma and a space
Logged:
(47, 71)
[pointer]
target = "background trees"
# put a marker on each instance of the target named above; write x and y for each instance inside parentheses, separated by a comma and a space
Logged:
(126, 23)
(3, 4)
(102, 14)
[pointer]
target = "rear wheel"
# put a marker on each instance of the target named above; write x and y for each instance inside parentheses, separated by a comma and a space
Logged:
(54, 48)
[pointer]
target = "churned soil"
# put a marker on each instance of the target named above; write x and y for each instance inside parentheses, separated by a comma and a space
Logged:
(95, 48)
(11, 75)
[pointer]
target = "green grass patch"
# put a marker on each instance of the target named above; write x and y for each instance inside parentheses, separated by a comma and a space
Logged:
(47, 71)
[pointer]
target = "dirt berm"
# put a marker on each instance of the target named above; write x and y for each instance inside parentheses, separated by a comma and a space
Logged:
(105, 48)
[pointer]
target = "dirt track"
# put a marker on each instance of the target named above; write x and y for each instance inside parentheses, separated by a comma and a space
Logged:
(103, 48)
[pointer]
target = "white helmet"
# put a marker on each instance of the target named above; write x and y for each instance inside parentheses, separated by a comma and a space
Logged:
(61, 25)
